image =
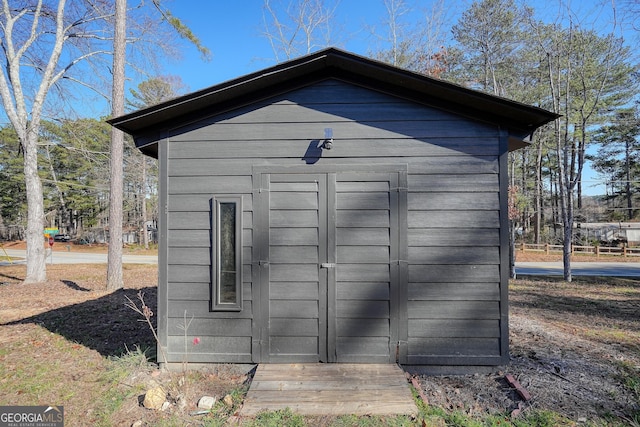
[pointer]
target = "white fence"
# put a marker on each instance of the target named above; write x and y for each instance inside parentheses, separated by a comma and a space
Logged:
(588, 250)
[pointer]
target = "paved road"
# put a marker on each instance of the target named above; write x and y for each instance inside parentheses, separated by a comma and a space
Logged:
(63, 257)
(625, 269)
(622, 269)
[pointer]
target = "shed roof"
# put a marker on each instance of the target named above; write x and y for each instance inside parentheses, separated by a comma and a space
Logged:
(149, 124)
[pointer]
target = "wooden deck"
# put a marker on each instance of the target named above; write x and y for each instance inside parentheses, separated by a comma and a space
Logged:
(330, 389)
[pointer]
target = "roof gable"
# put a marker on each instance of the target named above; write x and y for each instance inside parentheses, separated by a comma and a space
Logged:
(147, 125)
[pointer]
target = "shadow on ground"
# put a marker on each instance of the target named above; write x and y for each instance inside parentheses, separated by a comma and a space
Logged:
(104, 324)
(617, 310)
(590, 296)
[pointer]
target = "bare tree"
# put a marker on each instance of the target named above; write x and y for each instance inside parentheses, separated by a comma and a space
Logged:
(586, 75)
(395, 10)
(298, 28)
(34, 38)
(418, 45)
(44, 44)
(435, 54)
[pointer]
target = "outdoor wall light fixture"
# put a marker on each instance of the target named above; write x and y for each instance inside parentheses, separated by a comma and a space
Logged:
(328, 139)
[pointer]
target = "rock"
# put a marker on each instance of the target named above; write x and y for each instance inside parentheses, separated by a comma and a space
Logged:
(137, 424)
(228, 400)
(151, 383)
(206, 402)
(165, 406)
(154, 398)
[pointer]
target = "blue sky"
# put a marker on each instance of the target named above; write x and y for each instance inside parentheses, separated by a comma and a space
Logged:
(233, 30)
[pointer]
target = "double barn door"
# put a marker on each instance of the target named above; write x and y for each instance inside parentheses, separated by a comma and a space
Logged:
(328, 275)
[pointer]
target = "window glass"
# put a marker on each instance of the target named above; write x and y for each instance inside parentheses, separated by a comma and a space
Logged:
(226, 252)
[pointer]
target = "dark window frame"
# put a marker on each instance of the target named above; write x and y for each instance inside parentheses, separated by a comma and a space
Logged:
(217, 304)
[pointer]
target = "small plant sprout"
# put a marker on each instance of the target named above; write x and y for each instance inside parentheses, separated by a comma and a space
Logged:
(184, 326)
(147, 313)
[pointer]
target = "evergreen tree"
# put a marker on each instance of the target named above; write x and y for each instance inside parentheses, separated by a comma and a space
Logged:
(75, 172)
(618, 158)
(13, 199)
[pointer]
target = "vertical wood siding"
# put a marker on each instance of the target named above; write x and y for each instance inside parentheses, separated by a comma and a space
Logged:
(297, 314)
(363, 272)
(453, 237)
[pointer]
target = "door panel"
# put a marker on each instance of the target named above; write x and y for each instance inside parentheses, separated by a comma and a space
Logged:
(365, 212)
(332, 282)
(297, 288)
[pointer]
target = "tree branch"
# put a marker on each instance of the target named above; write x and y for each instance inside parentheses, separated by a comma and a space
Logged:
(47, 77)
(75, 61)
(88, 86)
(182, 30)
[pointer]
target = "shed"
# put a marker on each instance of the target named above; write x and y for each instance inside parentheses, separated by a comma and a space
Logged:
(334, 209)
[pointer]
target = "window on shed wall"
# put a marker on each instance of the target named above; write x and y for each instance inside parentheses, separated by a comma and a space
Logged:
(226, 253)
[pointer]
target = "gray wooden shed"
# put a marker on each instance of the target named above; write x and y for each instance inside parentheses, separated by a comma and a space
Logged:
(334, 209)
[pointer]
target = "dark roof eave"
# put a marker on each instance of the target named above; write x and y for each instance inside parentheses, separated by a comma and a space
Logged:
(334, 63)
(208, 98)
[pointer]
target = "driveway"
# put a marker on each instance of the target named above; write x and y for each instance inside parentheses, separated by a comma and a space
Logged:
(619, 269)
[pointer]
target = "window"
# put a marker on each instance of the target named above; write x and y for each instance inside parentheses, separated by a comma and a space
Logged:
(226, 253)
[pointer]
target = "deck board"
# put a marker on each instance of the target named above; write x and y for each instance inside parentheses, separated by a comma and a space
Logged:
(329, 389)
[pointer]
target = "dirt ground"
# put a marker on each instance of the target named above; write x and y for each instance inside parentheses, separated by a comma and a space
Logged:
(571, 347)
(62, 343)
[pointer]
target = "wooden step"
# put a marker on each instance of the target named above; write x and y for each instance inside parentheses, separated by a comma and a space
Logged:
(329, 389)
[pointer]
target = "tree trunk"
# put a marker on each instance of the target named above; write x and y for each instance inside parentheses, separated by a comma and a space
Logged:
(63, 218)
(553, 185)
(512, 250)
(36, 267)
(114, 265)
(567, 235)
(629, 194)
(579, 194)
(566, 207)
(537, 194)
(525, 223)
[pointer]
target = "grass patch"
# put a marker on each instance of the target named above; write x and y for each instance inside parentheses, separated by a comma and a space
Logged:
(284, 417)
(60, 344)
(630, 376)
(33, 376)
(532, 418)
(604, 308)
(113, 381)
